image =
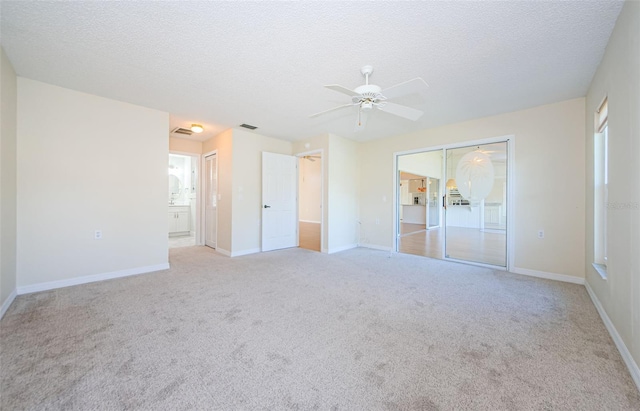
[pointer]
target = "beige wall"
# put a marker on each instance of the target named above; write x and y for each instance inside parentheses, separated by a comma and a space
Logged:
(247, 187)
(240, 187)
(8, 191)
(549, 175)
(88, 163)
(428, 164)
(342, 201)
(184, 145)
(223, 144)
(618, 77)
(340, 190)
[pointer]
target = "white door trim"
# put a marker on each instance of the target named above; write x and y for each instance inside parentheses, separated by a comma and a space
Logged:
(201, 237)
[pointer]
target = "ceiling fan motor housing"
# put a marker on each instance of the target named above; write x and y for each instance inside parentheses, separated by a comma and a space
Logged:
(368, 90)
(369, 94)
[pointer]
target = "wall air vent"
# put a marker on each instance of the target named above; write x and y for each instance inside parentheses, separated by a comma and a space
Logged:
(249, 126)
(180, 130)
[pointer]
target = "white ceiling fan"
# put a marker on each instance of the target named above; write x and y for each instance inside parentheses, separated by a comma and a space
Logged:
(310, 158)
(368, 96)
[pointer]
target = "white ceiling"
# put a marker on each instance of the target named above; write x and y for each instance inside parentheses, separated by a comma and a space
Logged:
(221, 64)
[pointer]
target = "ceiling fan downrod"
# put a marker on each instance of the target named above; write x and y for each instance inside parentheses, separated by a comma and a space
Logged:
(366, 72)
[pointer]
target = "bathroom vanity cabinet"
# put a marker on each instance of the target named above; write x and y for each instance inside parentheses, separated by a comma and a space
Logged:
(179, 220)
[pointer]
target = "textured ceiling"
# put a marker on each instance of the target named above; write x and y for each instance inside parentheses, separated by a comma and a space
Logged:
(265, 63)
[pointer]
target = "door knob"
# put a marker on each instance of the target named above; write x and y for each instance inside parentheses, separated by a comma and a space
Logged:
(267, 206)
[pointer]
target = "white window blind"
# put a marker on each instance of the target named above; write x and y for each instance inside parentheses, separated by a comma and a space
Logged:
(601, 116)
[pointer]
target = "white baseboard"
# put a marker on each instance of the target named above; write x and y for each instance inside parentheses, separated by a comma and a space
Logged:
(223, 252)
(550, 276)
(50, 285)
(7, 303)
(343, 248)
(245, 252)
(414, 222)
(376, 247)
(624, 351)
(309, 221)
(228, 253)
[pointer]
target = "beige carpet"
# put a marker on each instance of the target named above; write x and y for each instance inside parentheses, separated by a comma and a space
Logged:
(301, 330)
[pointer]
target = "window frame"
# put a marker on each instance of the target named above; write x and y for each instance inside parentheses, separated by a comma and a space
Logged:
(601, 187)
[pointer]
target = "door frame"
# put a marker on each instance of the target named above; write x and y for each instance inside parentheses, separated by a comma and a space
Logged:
(511, 144)
(320, 151)
(196, 158)
(201, 237)
(437, 205)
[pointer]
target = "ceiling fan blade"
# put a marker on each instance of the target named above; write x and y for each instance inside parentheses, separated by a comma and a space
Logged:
(416, 85)
(402, 111)
(331, 109)
(341, 89)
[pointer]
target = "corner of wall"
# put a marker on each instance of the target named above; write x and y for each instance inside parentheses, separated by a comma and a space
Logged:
(618, 79)
(627, 357)
(8, 179)
(7, 303)
(246, 189)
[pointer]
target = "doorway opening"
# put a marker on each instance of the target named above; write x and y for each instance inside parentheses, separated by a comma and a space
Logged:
(453, 203)
(310, 201)
(182, 196)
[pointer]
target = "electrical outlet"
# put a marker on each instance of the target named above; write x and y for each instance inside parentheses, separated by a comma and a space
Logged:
(540, 233)
(97, 235)
(377, 221)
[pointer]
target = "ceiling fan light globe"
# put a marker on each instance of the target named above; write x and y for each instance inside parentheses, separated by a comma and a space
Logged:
(366, 105)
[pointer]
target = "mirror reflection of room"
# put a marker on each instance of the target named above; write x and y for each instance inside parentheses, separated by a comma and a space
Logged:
(420, 176)
(452, 203)
(476, 213)
(182, 200)
(413, 201)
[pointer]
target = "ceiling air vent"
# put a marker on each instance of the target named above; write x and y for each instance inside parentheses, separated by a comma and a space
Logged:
(180, 130)
(249, 126)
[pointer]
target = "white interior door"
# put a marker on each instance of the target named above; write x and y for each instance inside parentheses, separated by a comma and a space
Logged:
(279, 205)
(211, 200)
